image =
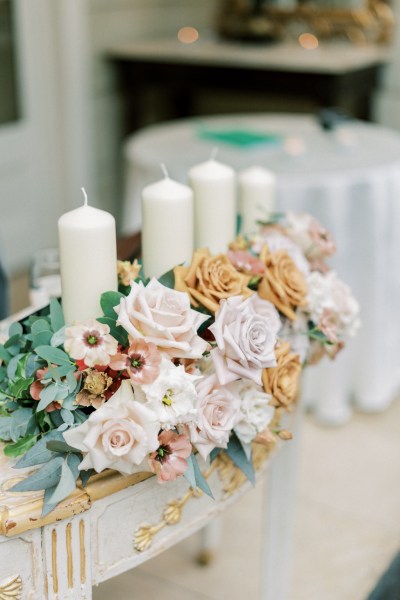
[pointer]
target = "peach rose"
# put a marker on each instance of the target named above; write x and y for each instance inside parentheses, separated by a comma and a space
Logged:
(163, 317)
(284, 284)
(210, 279)
(283, 381)
(119, 435)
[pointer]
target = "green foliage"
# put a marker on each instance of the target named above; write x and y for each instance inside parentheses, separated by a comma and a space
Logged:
(236, 453)
(168, 279)
(108, 301)
(20, 447)
(195, 477)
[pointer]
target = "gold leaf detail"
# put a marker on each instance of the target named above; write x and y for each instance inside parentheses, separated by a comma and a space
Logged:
(173, 512)
(144, 537)
(11, 589)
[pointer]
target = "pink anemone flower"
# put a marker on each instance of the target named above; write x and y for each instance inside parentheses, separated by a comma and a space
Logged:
(168, 461)
(142, 362)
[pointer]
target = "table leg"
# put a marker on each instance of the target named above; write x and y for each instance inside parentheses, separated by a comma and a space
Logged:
(210, 537)
(67, 559)
(279, 519)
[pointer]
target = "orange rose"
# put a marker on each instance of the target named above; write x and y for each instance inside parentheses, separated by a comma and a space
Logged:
(209, 279)
(284, 284)
(283, 381)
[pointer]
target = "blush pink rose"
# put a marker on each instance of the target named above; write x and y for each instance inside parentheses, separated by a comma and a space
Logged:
(163, 317)
(245, 332)
(218, 411)
(119, 435)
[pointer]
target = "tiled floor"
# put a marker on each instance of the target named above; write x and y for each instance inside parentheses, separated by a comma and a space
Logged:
(347, 526)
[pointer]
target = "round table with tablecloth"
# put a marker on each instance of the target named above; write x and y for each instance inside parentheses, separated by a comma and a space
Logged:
(349, 179)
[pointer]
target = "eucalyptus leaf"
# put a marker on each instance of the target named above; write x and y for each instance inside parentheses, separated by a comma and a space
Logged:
(32, 364)
(69, 402)
(72, 382)
(13, 344)
(21, 423)
(60, 445)
(39, 453)
(20, 447)
(56, 315)
(201, 482)
(47, 476)
(53, 355)
(85, 476)
(168, 279)
(67, 416)
(80, 416)
(5, 428)
(214, 453)
(43, 338)
(58, 372)
(107, 302)
(66, 484)
(116, 331)
(4, 354)
(39, 326)
(47, 396)
(12, 366)
(58, 338)
(237, 454)
(15, 329)
(189, 473)
(47, 506)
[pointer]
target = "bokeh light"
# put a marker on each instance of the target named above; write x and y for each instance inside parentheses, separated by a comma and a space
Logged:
(188, 35)
(308, 41)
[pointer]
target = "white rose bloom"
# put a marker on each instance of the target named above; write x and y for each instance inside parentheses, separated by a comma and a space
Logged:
(119, 435)
(172, 396)
(277, 241)
(255, 410)
(327, 291)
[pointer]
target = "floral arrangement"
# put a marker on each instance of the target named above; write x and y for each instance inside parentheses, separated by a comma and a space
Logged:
(176, 370)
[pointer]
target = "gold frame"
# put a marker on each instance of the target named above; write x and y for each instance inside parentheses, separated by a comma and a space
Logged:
(373, 23)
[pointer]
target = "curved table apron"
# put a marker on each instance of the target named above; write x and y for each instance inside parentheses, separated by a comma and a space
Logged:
(350, 180)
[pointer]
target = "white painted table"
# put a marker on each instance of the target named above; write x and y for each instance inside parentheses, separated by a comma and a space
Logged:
(118, 522)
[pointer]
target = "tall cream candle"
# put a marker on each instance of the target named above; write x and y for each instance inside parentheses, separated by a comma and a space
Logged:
(88, 261)
(213, 187)
(167, 226)
(257, 193)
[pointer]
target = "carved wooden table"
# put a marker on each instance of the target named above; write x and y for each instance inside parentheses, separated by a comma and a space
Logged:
(118, 522)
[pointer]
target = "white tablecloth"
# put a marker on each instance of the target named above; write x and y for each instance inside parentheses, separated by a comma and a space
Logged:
(350, 180)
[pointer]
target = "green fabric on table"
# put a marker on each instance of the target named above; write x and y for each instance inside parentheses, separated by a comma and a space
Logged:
(239, 137)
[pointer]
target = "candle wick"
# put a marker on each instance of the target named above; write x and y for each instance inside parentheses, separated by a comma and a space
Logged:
(164, 170)
(85, 196)
(214, 153)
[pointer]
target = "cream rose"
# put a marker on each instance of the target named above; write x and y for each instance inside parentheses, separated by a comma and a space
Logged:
(256, 412)
(119, 435)
(245, 332)
(326, 292)
(163, 317)
(218, 411)
(209, 279)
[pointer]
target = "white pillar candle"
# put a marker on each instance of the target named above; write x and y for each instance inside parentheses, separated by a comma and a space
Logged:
(257, 190)
(213, 187)
(88, 261)
(167, 226)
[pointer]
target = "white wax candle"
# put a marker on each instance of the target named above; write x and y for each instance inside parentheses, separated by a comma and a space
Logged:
(213, 187)
(88, 261)
(257, 188)
(167, 226)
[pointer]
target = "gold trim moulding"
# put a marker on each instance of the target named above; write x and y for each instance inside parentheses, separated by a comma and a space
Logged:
(23, 511)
